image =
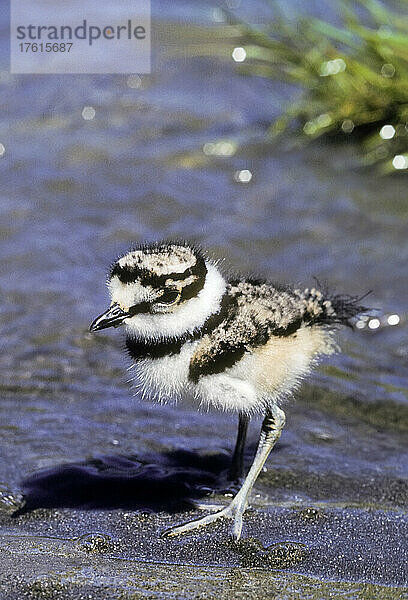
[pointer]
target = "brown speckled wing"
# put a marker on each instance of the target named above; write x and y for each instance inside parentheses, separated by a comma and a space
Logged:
(258, 311)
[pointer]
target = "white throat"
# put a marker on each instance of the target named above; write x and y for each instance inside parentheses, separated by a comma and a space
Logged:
(186, 318)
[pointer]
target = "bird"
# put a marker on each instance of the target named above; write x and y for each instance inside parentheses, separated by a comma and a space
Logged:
(240, 344)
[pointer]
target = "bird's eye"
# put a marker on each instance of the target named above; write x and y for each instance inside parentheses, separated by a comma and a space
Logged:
(169, 297)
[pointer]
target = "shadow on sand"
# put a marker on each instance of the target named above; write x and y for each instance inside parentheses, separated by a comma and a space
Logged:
(169, 482)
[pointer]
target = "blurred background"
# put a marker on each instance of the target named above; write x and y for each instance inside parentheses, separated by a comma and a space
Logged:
(274, 134)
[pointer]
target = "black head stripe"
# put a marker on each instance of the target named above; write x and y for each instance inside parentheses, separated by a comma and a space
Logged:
(199, 271)
(129, 274)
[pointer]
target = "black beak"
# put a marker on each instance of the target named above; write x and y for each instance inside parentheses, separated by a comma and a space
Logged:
(112, 317)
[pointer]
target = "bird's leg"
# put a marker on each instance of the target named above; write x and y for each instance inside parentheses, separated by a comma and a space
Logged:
(236, 471)
(272, 426)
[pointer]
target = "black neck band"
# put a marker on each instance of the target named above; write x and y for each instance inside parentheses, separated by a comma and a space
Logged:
(139, 349)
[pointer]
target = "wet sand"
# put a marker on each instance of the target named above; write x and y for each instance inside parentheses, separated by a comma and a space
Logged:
(316, 526)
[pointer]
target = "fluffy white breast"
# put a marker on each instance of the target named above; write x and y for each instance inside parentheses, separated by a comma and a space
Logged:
(165, 379)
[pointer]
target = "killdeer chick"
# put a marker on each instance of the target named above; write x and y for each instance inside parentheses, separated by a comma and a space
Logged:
(239, 345)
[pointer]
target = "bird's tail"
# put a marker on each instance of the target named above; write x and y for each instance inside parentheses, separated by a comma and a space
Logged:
(323, 308)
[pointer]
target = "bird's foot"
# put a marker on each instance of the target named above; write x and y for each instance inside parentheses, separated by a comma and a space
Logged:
(234, 510)
(209, 507)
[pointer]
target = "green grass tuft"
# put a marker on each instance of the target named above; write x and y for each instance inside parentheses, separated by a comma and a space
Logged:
(354, 77)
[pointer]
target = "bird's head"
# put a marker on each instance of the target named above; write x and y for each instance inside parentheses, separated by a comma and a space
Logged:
(161, 290)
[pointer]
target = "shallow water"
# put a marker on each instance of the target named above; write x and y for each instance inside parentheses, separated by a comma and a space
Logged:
(103, 472)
